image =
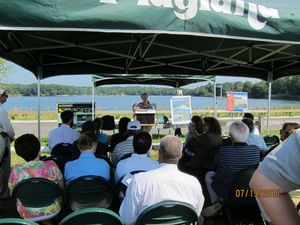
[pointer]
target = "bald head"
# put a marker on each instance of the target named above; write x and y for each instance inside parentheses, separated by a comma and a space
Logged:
(170, 150)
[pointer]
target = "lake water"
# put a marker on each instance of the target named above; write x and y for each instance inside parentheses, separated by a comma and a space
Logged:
(109, 103)
(125, 102)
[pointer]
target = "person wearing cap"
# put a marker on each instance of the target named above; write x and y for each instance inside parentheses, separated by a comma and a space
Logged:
(7, 135)
(125, 148)
(166, 183)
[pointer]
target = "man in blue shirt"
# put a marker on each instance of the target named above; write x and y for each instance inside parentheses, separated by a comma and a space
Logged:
(87, 164)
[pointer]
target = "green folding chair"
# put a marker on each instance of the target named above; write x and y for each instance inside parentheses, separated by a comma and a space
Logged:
(93, 216)
(168, 213)
(241, 207)
(15, 221)
(37, 193)
(90, 191)
(271, 140)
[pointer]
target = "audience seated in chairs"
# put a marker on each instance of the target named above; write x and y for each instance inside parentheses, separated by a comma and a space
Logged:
(108, 122)
(162, 184)
(230, 161)
(101, 150)
(139, 160)
(121, 135)
(279, 173)
(27, 146)
(126, 147)
(254, 139)
(202, 142)
(64, 133)
(87, 163)
(61, 154)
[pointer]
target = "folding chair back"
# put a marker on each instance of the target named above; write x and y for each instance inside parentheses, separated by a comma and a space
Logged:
(121, 188)
(36, 192)
(108, 122)
(92, 216)
(271, 141)
(61, 154)
(168, 213)
(15, 221)
(241, 192)
(90, 191)
(226, 141)
(241, 207)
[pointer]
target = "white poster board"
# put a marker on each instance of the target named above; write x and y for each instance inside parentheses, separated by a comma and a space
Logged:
(181, 109)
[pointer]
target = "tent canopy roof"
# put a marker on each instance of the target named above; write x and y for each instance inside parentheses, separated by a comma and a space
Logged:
(198, 37)
(175, 81)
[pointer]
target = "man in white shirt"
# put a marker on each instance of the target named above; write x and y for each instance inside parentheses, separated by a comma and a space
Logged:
(162, 184)
(64, 133)
(7, 135)
(126, 147)
(139, 160)
(254, 139)
(251, 117)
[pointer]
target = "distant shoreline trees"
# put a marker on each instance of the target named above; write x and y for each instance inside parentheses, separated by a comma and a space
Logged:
(285, 88)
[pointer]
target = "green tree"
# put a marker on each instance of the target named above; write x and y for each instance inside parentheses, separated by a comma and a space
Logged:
(248, 86)
(279, 86)
(293, 85)
(259, 90)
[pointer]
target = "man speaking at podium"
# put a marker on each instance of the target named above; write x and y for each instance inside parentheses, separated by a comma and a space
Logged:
(145, 112)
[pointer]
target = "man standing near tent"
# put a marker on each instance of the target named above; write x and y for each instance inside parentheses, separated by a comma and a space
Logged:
(7, 134)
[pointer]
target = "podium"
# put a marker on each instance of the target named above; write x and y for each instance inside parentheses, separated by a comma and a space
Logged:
(145, 116)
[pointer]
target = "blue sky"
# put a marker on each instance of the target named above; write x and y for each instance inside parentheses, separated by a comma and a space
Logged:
(17, 74)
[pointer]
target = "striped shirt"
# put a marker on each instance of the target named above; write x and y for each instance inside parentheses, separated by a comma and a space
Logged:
(230, 161)
(122, 149)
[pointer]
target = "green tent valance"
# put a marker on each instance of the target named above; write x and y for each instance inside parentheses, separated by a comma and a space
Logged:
(255, 38)
(253, 20)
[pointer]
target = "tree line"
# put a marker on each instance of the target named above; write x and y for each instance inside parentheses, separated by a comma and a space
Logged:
(287, 87)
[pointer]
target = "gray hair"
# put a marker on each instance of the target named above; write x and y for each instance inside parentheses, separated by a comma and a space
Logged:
(239, 131)
(170, 149)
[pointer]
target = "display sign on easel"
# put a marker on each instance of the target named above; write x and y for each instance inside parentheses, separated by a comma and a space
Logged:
(181, 109)
(82, 112)
(237, 101)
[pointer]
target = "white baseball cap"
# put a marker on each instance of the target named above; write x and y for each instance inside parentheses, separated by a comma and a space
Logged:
(134, 125)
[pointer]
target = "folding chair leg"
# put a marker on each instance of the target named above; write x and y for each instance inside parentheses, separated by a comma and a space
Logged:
(226, 209)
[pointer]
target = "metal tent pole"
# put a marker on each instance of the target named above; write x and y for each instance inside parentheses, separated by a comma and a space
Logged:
(215, 98)
(40, 73)
(270, 80)
(93, 101)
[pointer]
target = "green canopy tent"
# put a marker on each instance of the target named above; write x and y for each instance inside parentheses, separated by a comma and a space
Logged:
(256, 38)
(175, 81)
